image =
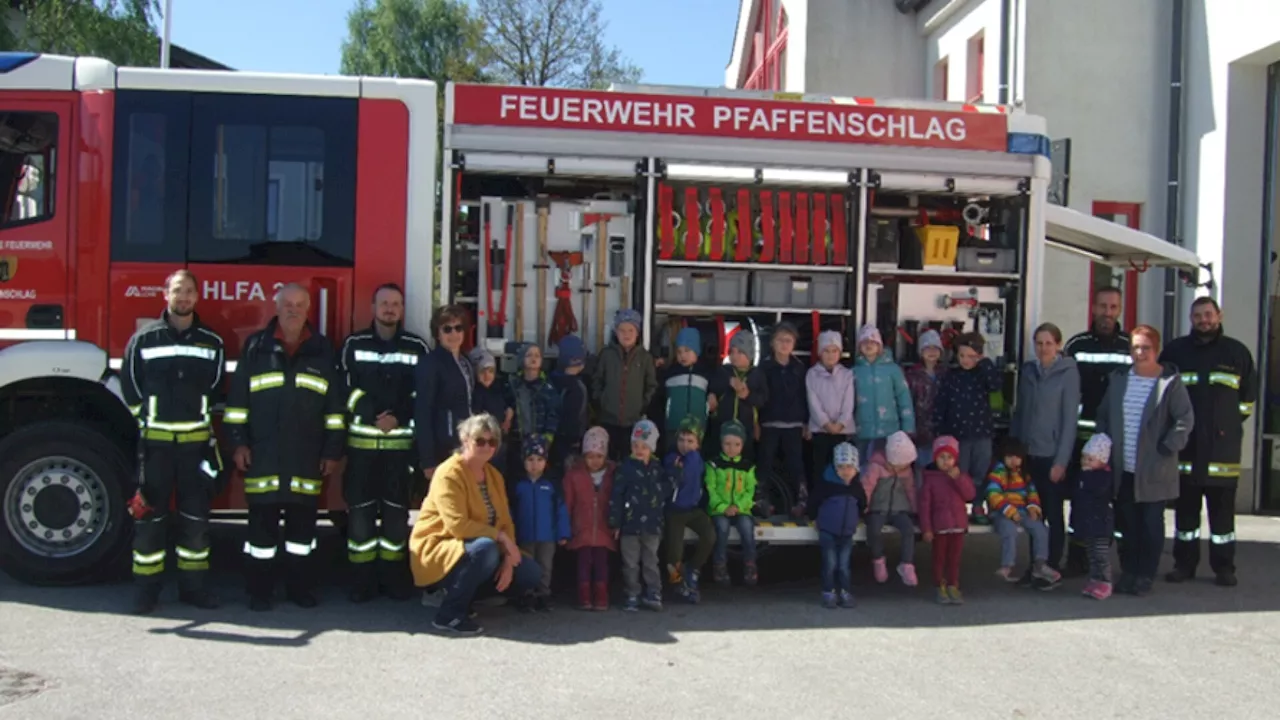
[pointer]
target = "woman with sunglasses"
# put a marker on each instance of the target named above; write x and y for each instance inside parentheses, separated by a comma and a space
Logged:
(445, 380)
(463, 543)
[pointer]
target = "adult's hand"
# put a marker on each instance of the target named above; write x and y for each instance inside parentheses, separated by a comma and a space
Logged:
(386, 422)
(428, 472)
(502, 580)
(1057, 473)
(509, 548)
(243, 458)
(328, 468)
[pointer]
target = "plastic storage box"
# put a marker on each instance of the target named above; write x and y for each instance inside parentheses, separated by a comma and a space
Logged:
(687, 286)
(778, 289)
(939, 242)
(987, 260)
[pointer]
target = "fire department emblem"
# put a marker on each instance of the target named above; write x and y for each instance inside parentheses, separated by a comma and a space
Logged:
(8, 267)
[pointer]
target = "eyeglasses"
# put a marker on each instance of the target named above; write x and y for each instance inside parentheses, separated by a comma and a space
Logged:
(486, 442)
(446, 329)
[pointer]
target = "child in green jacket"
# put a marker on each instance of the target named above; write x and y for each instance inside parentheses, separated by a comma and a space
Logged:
(731, 492)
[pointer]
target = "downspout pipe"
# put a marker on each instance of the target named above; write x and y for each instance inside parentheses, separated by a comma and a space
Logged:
(1173, 203)
(1006, 38)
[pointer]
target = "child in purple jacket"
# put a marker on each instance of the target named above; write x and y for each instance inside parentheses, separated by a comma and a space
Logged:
(829, 386)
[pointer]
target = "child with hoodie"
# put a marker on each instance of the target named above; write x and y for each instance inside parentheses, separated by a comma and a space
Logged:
(640, 490)
(535, 401)
(784, 420)
(574, 415)
(684, 510)
(923, 380)
(731, 492)
(1092, 517)
(1014, 503)
(838, 500)
(829, 385)
(890, 485)
(963, 408)
(623, 383)
(738, 390)
(943, 521)
(490, 396)
(685, 385)
(541, 519)
(588, 488)
(884, 404)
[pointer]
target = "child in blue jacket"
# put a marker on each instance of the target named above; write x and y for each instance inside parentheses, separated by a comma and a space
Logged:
(838, 503)
(684, 510)
(541, 519)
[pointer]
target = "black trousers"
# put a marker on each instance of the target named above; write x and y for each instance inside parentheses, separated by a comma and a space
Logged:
(263, 543)
(376, 487)
(789, 442)
(171, 467)
(1222, 527)
(619, 442)
(1053, 496)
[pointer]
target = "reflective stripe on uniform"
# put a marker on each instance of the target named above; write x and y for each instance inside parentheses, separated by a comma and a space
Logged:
(1231, 380)
(1089, 424)
(358, 428)
(178, 427)
(1246, 408)
(299, 549)
(192, 559)
(265, 484)
(1222, 539)
(148, 563)
(168, 351)
(334, 422)
(266, 381)
(395, 358)
(388, 550)
(207, 469)
(135, 410)
(362, 552)
(367, 443)
(178, 437)
(1188, 535)
(311, 382)
(1190, 378)
(1223, 470)
(1104, 358)
(356, 394)
(305, 486)
(235, 415)
(258, 552)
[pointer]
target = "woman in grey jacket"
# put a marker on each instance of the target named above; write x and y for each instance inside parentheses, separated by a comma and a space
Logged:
(1147, 412)
(1048, 405)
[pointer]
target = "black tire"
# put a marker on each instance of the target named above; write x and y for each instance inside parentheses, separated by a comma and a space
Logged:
(89, 508)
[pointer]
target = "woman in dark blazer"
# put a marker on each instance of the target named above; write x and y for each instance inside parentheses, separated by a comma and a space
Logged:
(445, 381)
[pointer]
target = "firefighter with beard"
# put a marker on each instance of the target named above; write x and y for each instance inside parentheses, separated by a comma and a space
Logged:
(285, 419)
(170, 376)
(379, 364)
(1219, 374)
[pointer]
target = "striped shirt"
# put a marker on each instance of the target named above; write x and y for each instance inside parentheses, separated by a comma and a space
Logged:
(1135, 400)
(488, 503)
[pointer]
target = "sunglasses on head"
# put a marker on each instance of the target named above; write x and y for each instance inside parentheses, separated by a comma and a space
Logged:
(457, 328)
(486, 442)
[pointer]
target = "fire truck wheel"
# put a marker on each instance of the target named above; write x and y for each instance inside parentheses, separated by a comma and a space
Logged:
(63, 520)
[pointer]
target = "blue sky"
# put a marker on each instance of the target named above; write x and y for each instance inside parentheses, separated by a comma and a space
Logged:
(675, 41)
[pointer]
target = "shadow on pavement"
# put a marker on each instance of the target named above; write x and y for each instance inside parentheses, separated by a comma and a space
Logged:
(786, 600)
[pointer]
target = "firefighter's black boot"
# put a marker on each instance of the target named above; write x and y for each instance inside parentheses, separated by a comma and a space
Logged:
(300, 585)
(1226, 578)
(364, 586)
(259, 584)
(200, 598)
(1180, 575)
(146, 598)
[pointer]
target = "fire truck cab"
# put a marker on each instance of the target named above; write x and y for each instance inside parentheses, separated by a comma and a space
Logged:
(117, 176)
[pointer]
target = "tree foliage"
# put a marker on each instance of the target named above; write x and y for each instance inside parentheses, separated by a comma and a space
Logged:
(122, 31)
(551, 42)
(433, 39)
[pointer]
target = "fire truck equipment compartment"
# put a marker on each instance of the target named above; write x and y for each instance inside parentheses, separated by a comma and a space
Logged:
(987, 260)
(685, 286)
(819, 291)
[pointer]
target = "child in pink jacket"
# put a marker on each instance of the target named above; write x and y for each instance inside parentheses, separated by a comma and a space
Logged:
(587, 488)
(944, 519)
(890, 483)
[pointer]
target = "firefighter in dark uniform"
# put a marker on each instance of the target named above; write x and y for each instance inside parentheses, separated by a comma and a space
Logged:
(285, 419)
(379, 365)
(171, 375)
(1099, 351)
(1219, 373)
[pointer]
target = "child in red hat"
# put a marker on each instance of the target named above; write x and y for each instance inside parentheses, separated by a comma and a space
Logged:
(943, 519)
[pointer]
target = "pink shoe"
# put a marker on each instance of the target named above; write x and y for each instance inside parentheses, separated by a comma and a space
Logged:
(881, 570)
(1101, 591)
(1089, 587)
(907, 572)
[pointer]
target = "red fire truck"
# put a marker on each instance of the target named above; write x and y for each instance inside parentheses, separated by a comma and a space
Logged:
(726, 210)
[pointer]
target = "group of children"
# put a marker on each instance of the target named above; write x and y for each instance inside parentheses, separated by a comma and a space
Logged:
(619, 494)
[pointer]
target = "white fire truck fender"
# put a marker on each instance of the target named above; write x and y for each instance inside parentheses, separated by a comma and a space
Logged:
(56, 359)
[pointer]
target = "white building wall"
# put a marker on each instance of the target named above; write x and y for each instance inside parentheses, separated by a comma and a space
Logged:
(947, 36)
(864, 48)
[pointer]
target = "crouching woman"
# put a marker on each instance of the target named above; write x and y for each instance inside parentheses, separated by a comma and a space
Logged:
(463, 543)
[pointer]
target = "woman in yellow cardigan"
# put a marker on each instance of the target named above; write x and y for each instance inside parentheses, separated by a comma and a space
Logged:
(464, 540)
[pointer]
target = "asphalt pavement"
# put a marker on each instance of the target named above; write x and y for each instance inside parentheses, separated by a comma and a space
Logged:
(1193, 650)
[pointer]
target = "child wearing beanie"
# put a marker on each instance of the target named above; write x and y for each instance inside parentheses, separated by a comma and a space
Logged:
(890, 484)
(640, 490)
(837, 503)
(685, 385)
(624, 382)
(588, 487)
(884, 404)
(490, 396)
(541, 518)
(684, 510)
(923, 380)
(731, 492)
(571, 359)
(829, 385)
(738, 390)
(944, 520)
(534, 399)
(1092, 517)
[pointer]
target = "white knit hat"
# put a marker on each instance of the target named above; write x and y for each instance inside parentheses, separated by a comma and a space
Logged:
(869, 332)
(928, 339)
(899, 450)
(1098, 447)
(827, 338)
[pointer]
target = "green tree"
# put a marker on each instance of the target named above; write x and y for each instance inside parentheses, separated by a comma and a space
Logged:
(122, 31)
(551, 42)
(431, 39)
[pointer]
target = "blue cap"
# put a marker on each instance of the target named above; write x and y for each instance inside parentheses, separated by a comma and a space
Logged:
(627, 316)
(572, 352)
(689, 338)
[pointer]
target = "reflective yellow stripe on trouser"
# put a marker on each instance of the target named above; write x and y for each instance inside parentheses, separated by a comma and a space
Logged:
(1222, 470)
(193, 559)
(390, 551)
(1187, 536)
(148, 563)
(362, 552)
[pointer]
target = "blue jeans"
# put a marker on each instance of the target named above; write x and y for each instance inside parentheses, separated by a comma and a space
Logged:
(1008, 531)
(975, 459)
(746, 530)
(1143, 539)
(473, 575)
(836, 551)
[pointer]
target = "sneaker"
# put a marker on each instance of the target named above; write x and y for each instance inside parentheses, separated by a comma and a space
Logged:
(1099, 591)
(956, 597)
(1089, 587)
(847, 600)
(523, 604)
(720, 574)
(202, 599)
(691, 593)
(1006, 574)
(829, 599)
(631, 604)
(1126, 584)
(1180, 575)
(433, 598)
(1143, 586)
(943, 597)
(146, 599)
(907, 572)
(1026, 580)
(542, 604)
(459, 626)
(750, 575)
(1046, 573)
(1226, 578)
(880, 569)
(652, 601)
